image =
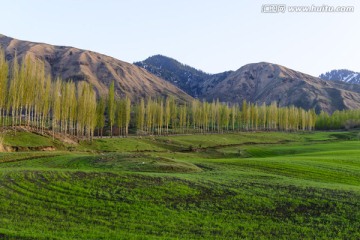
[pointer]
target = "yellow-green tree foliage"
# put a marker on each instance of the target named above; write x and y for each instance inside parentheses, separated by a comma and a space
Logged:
(29, 97)
(111, 106)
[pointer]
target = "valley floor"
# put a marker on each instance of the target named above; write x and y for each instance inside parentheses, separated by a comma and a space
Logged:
(261, 185)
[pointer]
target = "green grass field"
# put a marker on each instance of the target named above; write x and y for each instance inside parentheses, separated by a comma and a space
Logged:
(261, 185)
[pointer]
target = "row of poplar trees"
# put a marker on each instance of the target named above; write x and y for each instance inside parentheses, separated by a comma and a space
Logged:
(31, 98)
(167, 117)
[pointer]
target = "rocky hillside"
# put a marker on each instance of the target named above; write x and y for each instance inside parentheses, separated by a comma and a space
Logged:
(98, 69)
(258, 82)
(266, 82)
(187, 78)
(343, 75)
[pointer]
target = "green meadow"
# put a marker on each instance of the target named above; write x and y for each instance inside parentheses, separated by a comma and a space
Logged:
(250, 185)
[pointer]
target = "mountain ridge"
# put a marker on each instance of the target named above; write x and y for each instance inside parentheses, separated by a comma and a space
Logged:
(157, 76)
(264, 83)
(97, 69)
(343, 75)
(182, 75)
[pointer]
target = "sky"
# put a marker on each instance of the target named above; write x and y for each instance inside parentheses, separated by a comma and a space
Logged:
(210, 35)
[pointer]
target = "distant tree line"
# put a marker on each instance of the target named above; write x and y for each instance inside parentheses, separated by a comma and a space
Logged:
(345, 119)
(29, 97)
(167, 117)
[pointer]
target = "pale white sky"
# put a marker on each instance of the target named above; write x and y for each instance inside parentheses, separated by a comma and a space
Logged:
(210, 35)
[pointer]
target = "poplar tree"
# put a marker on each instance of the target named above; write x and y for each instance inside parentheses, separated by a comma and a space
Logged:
(13, 100)
(205, 116)
(72, 108)
(159, 116)
(140, 115)
(4, 71)
(233, 116)
(100, 112)
(91, 110)
(263, 116)
(46, 100)
(173, 113)
(183, 118)
(20, 91)
(111, 106)
(127, 114)
(196, 112)
(246, 116)
(65, 106)
(119, 115)
(149, 115)
(35, 91)
(213, 115)
(56, 104)
(81, 109)
(167, 115)
(218, 115)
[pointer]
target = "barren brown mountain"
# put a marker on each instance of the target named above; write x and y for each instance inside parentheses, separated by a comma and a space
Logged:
(98, 69)
(266, 82)
(257, 83)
